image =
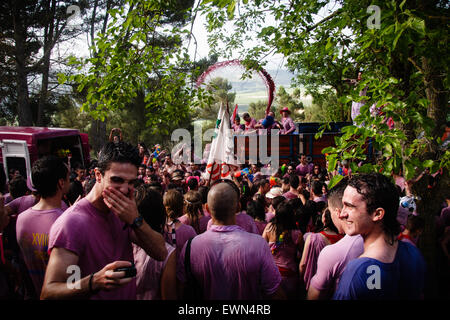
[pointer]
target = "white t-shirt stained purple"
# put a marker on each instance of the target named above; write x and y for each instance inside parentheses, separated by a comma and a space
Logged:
(231, 264)
(333, 259)
(97, 239)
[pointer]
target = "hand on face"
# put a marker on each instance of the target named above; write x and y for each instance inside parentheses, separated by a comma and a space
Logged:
(123, 206)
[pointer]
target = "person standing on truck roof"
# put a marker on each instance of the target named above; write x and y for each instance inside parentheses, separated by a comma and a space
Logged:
(288, 125)
(268, 122)
(97, 232)
(237, 126)
(250, 122)
(51, 178)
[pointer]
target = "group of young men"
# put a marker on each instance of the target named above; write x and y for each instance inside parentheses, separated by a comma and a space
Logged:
(76, 253)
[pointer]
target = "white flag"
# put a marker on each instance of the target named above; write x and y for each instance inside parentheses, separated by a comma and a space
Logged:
(221, 160)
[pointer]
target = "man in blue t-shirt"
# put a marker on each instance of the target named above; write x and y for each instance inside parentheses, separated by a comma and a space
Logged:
(387, 269)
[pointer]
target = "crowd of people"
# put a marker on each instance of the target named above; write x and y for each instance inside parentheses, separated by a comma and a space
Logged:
(135, 225)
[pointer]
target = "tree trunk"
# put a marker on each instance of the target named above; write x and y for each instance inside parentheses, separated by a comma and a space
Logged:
(20, 35)
(48, 42)
(97, 134)
(437, 95)
(431, 204)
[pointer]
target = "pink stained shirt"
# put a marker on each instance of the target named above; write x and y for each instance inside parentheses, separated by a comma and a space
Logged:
(244, 221)
(97, 239)
(316, 243)
(203, 222)
(23, 203)
(269, 216)
(332, 261)
(231, 264)
(303, 170)
(32, 230)
(290, 195)
(322, 198)
(286, 254)
(288, 125)
(261, 225)
(149, 272)
(182, 234)
(250, 125)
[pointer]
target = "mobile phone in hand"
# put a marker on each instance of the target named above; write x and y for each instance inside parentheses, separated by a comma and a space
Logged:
(129, 271)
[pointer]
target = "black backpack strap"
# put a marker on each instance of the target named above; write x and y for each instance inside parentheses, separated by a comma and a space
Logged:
(187, 259)
(193, 289)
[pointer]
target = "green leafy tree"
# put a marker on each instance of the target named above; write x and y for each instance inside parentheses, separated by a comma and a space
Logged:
(132, 120)
(219, 89)
(31, 29)
(139, 52)
(69, 115)
(404, 58)
(292, 101)
(257, 109)
(324, 108)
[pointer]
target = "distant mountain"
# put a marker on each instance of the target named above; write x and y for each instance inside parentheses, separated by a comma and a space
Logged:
(280, 77)
(254, 89)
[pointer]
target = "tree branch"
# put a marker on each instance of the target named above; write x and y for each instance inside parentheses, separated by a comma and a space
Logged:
(416, 65)
(309, 29)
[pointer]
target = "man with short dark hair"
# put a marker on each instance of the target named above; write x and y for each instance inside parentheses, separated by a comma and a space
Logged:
(388, 268)
(334, 258)
(304, 168)
(316, 191)
(294, 182)
(142, 171)
(50, 176)
(94, 236)
(227, 262)
(18, 187)
(250, 122)
(263, 186)
(285, 186)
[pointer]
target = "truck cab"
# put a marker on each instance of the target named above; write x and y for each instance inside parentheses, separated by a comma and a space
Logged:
(20, 147)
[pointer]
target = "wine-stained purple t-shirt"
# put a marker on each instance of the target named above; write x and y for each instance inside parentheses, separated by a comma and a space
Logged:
(202, 222)
(244, 221)
(97, 239)
(332, 261)
(182, 234)
(32, 229)
(231, 264)
(23, 203)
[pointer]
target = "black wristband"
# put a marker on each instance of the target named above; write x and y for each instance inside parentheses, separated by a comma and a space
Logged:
(90, 282)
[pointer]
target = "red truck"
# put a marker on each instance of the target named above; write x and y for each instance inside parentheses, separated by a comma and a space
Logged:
(303, 141)
(20, 147)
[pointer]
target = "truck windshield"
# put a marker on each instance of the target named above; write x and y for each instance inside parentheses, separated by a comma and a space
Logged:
(62, 147)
